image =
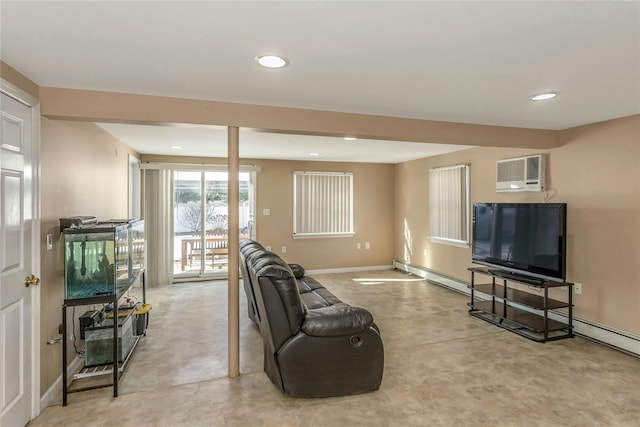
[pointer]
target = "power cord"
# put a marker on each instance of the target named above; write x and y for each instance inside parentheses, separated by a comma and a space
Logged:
(80, 353)
(549, 194)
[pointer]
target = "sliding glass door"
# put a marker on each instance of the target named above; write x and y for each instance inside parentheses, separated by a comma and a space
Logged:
(201, 221)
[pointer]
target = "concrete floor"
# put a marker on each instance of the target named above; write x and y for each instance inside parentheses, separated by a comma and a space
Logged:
(442, 368)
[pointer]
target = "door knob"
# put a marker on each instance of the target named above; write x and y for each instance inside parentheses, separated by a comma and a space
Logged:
(31, 280)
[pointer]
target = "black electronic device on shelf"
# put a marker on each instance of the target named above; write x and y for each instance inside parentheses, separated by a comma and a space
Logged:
(527, 239)
(88, 319)
(77, 222)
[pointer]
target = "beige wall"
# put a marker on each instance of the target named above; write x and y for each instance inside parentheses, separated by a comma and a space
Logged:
(84, 171)
(373, 212)
(596, 172)
(599, 166)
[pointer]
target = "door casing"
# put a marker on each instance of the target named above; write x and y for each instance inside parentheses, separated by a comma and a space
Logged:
(19, 95)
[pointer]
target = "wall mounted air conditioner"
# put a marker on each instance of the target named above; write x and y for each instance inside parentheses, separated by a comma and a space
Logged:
(520, 174)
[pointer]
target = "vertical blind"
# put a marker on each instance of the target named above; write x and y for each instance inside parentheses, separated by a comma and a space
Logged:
(323, 204)
(134, 188)
(449, 204)
(158, 203)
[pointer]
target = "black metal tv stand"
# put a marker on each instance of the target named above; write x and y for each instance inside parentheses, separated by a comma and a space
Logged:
(505, 302)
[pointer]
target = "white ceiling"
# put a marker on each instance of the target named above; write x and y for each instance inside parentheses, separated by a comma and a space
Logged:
(472, 62)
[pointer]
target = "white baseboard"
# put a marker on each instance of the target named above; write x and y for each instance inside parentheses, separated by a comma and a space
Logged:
(603, 334)
(350, 269)
(56, 388)
(440, 279)
(620, 340)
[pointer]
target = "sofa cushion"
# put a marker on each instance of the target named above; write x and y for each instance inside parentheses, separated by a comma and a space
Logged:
(313, 300)
(245, 243)
(280, 278)
(262, 258)
(308, 284)
(330, 299)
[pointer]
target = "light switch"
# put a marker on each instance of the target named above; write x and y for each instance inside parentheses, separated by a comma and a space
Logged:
(266, 212)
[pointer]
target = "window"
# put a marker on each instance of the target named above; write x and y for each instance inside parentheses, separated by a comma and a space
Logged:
(449, 204)
(201, 219)
(322, 204)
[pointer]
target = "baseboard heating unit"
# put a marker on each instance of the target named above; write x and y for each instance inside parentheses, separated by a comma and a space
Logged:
(602, 334)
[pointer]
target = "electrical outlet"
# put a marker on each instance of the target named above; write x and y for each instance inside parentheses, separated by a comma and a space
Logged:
(358, 246)
(49, 242)
(367, 245)
(577, 288)
(284, 249)
(268, 247)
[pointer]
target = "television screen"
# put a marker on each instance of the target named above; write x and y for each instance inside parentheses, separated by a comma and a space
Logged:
(521, 238)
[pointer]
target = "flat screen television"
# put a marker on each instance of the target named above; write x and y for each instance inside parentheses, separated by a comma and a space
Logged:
(527, 240)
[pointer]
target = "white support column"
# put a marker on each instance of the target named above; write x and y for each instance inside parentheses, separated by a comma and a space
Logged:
(233, 164)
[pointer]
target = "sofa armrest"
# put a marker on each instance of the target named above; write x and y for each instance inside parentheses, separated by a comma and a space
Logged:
(297, 270)
(336, 320)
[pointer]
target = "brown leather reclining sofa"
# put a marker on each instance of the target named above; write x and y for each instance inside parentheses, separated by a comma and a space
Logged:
(314, 344)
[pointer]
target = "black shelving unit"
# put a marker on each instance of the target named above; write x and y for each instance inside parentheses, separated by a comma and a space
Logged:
(102, 262)
(524, 313)
(114, 367)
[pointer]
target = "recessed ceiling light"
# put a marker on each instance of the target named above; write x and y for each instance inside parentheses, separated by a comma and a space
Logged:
(272, 61)
(314, 154)
(544, 96)
(350, 138)
(176, 147)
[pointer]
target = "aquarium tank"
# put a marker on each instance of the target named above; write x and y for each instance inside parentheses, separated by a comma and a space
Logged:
(102, 258)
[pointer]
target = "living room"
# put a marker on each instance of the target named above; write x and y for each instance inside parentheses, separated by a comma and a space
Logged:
(592, 167)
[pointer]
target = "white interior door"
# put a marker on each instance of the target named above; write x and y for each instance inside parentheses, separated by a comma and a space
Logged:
(17, 229)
